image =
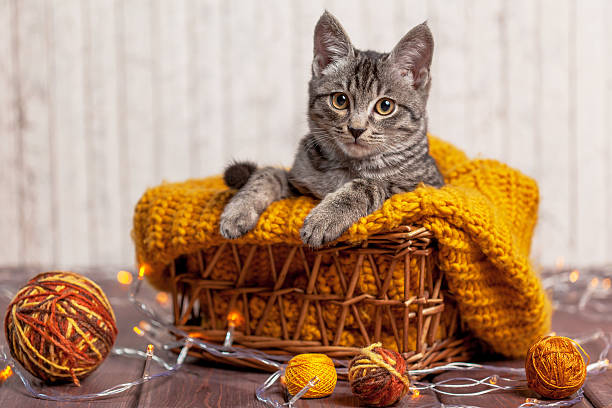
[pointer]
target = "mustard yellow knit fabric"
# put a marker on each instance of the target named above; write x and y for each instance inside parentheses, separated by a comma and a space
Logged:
(483, 219)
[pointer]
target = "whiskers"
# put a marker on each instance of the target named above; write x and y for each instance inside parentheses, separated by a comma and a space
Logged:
(320, 136)
(408, 150)
(335, 136)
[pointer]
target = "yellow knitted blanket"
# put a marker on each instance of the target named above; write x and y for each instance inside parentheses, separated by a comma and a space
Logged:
(483, 219)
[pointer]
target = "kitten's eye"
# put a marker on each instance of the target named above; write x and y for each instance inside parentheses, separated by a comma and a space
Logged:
(385, 106)
(339, 100)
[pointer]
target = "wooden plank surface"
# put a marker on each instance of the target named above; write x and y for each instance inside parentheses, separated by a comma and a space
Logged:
(304, 16)
(486, 113)
(206, 89)
(280, 84)
(171, 62)
(34, 163)
(11, 252)
(102, 131)
(596, 388)
(141, 141)
(589, 104)
(608, 116)
(599, 391)
(554, 236)
(494, 399)
(101, 100)
(449, 89)
(240, 97)
(521, 143)
(211, 385)
(67, 84)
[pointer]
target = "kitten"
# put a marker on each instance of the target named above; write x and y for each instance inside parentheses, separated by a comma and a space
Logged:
(367, 140)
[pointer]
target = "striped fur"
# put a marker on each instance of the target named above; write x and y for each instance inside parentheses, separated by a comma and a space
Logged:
(352, 175)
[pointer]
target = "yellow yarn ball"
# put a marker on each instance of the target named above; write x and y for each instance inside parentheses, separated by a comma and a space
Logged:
(303, 367)
(555, 368)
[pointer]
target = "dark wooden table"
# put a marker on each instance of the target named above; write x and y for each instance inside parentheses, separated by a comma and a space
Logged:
(205, 385)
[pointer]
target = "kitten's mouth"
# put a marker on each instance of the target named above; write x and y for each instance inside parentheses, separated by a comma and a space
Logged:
(356, 148)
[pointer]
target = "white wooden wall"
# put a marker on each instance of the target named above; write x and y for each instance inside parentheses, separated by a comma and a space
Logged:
(101, 99)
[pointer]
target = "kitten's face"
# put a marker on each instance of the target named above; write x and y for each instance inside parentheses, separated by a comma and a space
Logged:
(368, 103)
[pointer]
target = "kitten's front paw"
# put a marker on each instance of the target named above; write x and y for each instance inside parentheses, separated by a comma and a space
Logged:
(322, 227)
(237, 220)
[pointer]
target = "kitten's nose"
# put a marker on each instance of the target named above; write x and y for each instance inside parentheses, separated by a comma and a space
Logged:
(356, 132)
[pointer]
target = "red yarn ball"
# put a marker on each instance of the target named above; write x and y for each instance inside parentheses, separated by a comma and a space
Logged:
(377, 376)
(60, 326)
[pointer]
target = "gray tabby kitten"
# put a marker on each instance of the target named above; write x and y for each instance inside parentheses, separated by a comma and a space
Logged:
(367, 140)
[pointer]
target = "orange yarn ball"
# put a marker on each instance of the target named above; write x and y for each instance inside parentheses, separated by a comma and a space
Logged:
(303, 367)
(555, 367)
(60, 326)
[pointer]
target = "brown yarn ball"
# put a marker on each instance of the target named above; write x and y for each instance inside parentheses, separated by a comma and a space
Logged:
(60, 326)
(377, 376)
(555, 368)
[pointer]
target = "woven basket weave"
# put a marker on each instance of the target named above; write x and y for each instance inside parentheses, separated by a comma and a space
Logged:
(333, 301)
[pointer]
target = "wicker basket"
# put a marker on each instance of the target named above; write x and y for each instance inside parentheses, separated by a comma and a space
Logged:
(200, 302)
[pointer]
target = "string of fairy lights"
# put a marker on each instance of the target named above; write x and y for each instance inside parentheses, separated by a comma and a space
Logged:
(587, 292)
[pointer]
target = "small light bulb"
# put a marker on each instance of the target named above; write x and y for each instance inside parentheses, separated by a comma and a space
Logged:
(124, 277)
(606, 283)
(494, 378)
(162, 298)
(574, 275)
(6, 373)
(416, 394)
(196, 335)
(531, 400)
(235, 318)
(594, 282)
(147, 364)
(142, 271)
(138, 331)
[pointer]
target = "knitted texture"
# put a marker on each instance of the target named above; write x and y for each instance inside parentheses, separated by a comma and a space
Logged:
(483, 219)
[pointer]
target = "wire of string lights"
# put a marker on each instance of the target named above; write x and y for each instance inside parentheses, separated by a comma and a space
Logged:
(587, 291)
(589, 294)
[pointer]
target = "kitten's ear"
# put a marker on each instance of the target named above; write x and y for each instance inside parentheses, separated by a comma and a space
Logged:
(412, 55)
(331, 43)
